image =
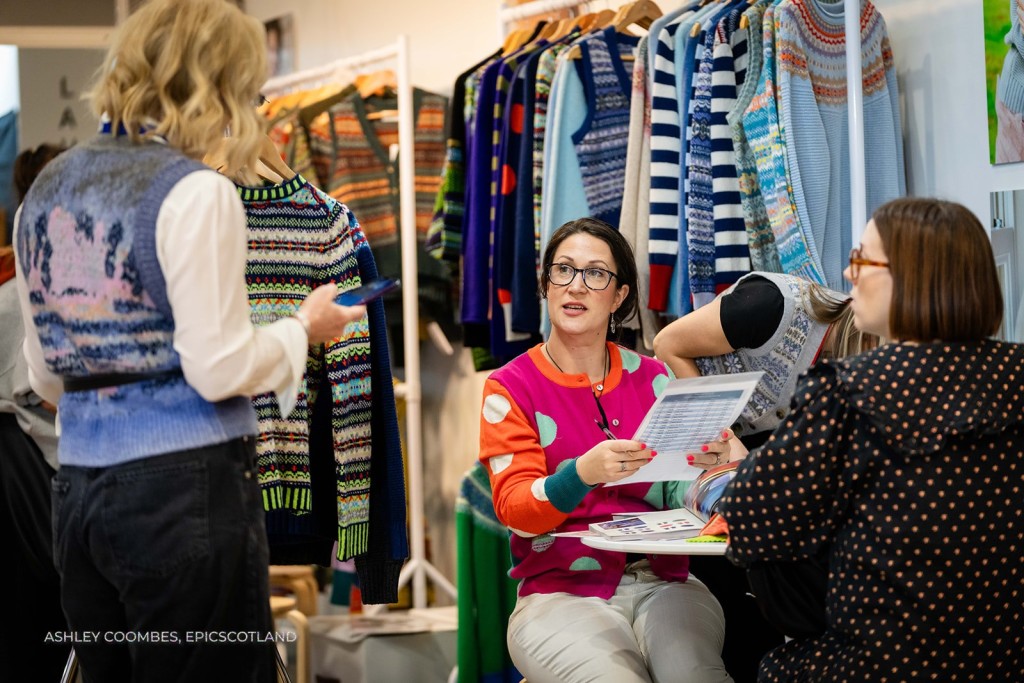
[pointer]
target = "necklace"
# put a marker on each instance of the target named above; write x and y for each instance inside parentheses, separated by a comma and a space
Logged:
(607, 367)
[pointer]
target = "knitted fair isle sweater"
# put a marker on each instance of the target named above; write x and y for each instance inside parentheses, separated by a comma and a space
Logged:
(601, 141)
(761, 125)
(299, 239)
(783, 358)
(536, 421)
(811, 40)
(760, 239)
(87, 248)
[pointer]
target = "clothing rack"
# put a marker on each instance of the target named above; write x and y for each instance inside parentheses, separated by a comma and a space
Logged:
(854, 86)
(417, 568)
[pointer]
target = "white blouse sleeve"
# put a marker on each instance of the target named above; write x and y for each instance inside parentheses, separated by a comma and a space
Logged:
(201, 246)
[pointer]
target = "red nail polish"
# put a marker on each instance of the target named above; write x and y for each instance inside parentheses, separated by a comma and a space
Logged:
(689, 458)
(654, 453)
(725, 435)
(704, 448)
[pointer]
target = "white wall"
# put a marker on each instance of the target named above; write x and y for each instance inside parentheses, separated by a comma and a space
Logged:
(940, 63)
(445, 36)
(9, 96)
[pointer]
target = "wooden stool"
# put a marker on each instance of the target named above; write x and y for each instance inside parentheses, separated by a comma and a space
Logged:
(298, 579)
(283, 607)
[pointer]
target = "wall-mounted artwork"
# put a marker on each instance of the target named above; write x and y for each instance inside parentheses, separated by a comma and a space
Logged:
(280, 45)
(1004, 72)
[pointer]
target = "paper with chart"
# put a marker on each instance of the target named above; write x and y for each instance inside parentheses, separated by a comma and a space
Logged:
(689, 413)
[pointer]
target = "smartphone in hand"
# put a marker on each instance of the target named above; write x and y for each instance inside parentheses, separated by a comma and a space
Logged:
(367, 293)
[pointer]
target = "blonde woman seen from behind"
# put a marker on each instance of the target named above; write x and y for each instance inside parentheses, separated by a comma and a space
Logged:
(130, 260)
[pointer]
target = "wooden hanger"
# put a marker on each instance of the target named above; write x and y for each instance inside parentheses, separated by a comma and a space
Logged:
(642, 13)
(376, 83)
(271, 158)
(745, 20)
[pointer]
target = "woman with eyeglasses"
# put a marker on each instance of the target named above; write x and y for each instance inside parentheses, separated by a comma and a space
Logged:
(902, 469)
(555, 428)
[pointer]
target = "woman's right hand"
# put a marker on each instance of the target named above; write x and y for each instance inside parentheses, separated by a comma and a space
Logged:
(611, 461)
(327, 319)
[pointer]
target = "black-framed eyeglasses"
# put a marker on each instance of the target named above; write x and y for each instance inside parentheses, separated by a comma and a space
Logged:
(597, 279)
(856, 261)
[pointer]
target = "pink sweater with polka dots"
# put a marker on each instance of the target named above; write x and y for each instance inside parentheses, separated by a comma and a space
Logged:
(536, 420)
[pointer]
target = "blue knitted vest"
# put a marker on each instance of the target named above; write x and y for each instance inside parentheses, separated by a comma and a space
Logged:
(601, 140)
(86, 241)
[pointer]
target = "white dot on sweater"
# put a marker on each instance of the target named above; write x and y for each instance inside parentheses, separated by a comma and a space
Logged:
(537, 489)
(496, 407)
(523, 534)
(499, 462)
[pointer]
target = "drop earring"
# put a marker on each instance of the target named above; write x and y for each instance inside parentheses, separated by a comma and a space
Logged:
(612, 324)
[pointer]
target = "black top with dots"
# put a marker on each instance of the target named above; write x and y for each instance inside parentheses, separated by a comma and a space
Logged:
(906, 466)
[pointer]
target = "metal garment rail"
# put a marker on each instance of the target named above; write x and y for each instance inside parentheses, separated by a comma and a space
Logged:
(417, 568)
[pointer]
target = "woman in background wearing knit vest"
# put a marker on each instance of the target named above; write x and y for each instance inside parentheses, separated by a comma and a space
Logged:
(553, 431)
(778, 324)
(131, 258)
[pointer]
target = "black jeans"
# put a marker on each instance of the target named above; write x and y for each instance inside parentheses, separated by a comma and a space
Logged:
(33, 596)
(163, 565)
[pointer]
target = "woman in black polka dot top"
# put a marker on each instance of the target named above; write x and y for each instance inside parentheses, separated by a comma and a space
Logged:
(900, 473)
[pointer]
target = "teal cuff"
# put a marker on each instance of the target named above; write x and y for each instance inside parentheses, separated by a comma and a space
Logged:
(564, 489)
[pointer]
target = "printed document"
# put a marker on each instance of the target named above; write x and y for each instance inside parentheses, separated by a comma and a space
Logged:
(689, 413)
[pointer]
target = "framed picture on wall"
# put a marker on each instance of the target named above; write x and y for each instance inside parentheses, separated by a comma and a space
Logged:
(1004, 76)
(1008, 251)
(280, 45)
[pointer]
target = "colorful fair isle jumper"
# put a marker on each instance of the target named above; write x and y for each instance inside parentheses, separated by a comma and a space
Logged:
(104, 310)
(536, 421)
(299, 239)
(813, 105)
(761, 125)
(783, 358)
(760, 239)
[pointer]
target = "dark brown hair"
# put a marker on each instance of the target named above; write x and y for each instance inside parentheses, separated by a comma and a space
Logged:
(945, 286)
(622, 254)
(29, 163)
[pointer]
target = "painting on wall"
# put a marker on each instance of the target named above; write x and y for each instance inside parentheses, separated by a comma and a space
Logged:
(280, 45)
(1004, 79)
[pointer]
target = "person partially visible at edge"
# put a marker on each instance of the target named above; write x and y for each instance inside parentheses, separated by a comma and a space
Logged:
(771, 322)
(28, 442)
(554, 432)
(130, 271)
(901, 471)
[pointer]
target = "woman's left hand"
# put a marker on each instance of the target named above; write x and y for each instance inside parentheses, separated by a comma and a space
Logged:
(718, 452)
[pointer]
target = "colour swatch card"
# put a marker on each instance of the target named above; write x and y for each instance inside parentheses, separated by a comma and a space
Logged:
(666, 524)
(689, 413)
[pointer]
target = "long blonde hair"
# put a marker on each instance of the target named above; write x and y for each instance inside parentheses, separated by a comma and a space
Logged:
(186, 70)
(843, 338)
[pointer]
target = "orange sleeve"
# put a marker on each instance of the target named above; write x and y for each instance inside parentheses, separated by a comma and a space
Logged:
(516, 465)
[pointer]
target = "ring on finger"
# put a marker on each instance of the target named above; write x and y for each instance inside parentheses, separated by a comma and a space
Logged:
(622, 466)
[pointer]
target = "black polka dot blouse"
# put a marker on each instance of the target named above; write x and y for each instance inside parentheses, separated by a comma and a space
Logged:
(905, 467)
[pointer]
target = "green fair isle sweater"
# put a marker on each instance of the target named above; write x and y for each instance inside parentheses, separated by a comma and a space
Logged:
(299, 239)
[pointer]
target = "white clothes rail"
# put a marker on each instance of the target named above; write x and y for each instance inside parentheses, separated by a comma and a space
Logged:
(417, 568)
(855, 97)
